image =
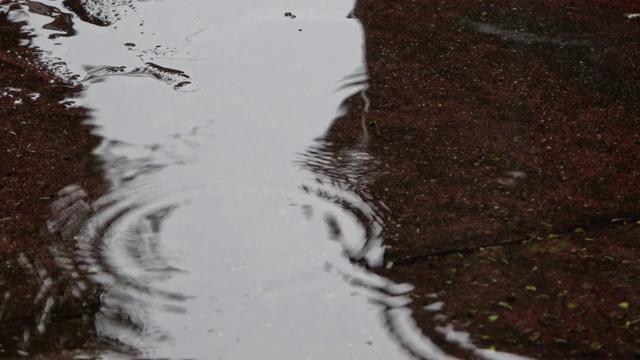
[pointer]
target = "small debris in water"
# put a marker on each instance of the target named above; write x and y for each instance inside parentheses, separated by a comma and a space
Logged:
(505, 305)
(624, 305)
(289, 15)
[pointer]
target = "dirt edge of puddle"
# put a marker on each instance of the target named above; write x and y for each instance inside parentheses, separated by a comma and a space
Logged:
(46, 146)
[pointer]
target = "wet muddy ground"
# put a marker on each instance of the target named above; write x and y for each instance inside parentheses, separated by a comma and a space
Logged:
(45, 146)
(507, 133)
(507, 139)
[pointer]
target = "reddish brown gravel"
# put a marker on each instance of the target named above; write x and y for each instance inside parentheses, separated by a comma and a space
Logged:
(45, 147)
(509, 145)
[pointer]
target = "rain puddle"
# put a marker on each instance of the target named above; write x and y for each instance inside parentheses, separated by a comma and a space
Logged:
(229, 231)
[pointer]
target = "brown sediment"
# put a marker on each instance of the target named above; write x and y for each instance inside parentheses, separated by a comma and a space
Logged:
(46, 145)
(509, 143)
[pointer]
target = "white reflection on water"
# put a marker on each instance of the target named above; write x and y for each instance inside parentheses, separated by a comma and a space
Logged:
(202, 245)
(205, 245)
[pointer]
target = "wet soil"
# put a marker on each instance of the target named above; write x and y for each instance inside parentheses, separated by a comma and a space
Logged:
(46, 146)
(508, 133)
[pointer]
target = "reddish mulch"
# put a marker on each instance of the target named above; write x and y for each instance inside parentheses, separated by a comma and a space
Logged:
(45, 147)
(509, 150)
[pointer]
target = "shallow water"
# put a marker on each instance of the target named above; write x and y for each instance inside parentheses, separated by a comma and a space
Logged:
(228, 232)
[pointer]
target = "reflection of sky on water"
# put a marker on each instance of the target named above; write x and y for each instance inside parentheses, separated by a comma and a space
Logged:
(202, 245)
(205, 244)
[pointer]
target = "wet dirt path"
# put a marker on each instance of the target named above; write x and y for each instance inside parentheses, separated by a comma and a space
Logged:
(507, 134)
(493, 154)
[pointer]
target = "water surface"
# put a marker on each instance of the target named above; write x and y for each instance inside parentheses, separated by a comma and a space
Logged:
(229, 231)
(206, 243)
